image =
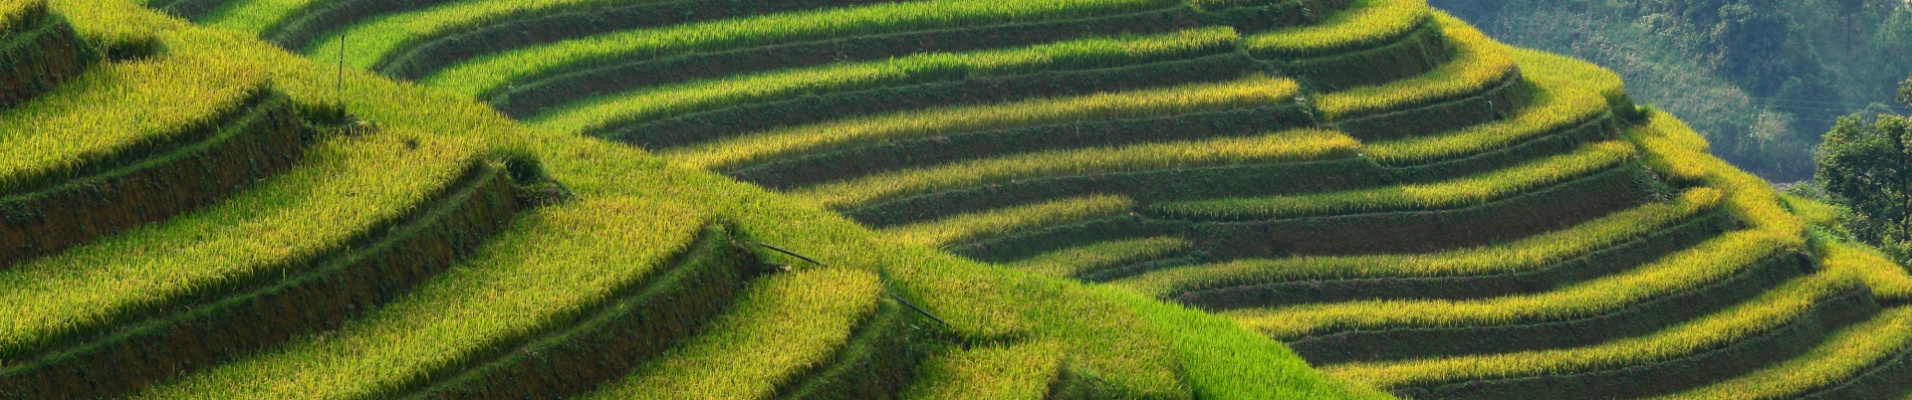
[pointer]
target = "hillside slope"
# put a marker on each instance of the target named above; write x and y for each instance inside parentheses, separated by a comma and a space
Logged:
(209, 227)
(1407, 204)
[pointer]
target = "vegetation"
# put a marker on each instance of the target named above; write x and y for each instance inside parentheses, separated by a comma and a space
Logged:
(1761, 80)
(448, 334)
(1526, 254)
(973, 226)
(347, 187)
(1478, 64)
(1846, 353)
(1175, 199)
(116, 111)
(595, 114)
(1433, 196)
(790, 320)
(1080, 260)
(1868, 170)
(1279, 147)
(734, 153)
(488, 73)
(1366, 23)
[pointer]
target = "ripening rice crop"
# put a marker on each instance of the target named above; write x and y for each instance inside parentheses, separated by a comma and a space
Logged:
(1076, 260)
(117, 110)
(1364, 24)
(778, 327)
(381, 37)
(1478, 64)
(255, 16)
(14, 12)
(1556, 106)
(1462, 192)
(1526, 254)
(489, 73)
(978, 225)
(343, 189)
(1548, 68)
(1279, 147)
(555, 264)
(678, 99)
(1021, 371)
(785, 142)
(1712, 261)
(1786, 304)
(1838, 359)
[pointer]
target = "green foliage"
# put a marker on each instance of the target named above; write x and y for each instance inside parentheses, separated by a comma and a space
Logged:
(1273, 148)
(1477, 64)
(652, 103)
(1869, 170)
(347, 187)
(1076, 261)
(491, 72)
(1365, 24)
(1468, 191)
(1022, 371)
(1905, 91)
(377, 39)
(1842, 356)
(1558, 105)
(1527, 254)
(778, 326)
(964, 227)
(1762, 80)
(254, 16)
(1789, 303)
(727, 154)
(117, 112)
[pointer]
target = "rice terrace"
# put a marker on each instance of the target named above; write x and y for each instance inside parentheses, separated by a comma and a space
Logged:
(877, 199)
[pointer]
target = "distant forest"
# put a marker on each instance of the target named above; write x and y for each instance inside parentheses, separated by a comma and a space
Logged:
(1762, 79)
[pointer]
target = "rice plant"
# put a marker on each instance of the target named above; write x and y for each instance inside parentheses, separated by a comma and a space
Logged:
(116, 110)
(1522, 255)
(14, 13)
(488, 73)
(1845, 355)
(374, 40)
(679, 99)
(1455, 193)
(1786, 304)
(255, 16)
(1557, 105)
(1477, 64)
(1712, 261)
(1076, 260)
(784, 142)
(555, 264)
(1364, 24)
(1279, 147)
(344, 189)
(1020, 371)
(979, 225)
(778, 327)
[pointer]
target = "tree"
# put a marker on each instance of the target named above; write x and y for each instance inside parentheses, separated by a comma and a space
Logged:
(1868, 168)
(1905, 91)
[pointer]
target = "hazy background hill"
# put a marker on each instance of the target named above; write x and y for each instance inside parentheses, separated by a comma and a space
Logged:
(1762, 79)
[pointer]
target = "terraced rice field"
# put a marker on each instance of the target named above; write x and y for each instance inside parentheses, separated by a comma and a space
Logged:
(1163, 199)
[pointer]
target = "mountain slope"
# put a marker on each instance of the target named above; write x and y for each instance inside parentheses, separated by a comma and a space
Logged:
(804, 199)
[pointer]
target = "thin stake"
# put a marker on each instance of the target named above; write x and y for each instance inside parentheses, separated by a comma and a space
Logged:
(919, 310)
(339, 92)
(791, 253)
